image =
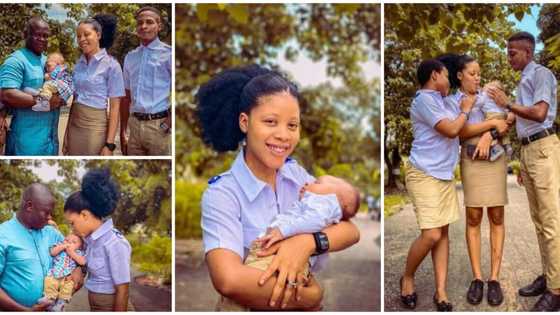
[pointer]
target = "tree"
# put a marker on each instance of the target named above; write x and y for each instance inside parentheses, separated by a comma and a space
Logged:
(340, 124)
(415, 32)
(549, 24)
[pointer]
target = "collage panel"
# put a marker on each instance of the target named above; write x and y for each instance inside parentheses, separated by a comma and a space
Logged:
(85, 235)
(471, 157)
(85, 79)
(277, 157)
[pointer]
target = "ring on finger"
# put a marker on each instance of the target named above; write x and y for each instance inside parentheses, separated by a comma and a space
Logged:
(292, 284)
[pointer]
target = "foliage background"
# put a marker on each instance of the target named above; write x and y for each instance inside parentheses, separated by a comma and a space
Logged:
(143, 213)
(340, 124)
(421, 31)
(63, 31)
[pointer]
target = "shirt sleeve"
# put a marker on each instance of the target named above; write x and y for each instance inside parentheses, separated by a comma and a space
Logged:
(3, 249)
(11, 74)
(316, 213)
(115, 80)
(118, 253)
(544, 86)
(430, 111)
(55, 237)
(221, 224)
(126, 78)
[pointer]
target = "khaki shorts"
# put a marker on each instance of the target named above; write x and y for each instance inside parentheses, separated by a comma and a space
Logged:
(435, 201)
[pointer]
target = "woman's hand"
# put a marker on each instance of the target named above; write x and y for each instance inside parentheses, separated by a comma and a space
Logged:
(501, 126)
(467, 103)
(483, 147)
(292, 256)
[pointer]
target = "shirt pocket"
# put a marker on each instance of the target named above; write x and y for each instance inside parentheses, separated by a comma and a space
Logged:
(157, 64)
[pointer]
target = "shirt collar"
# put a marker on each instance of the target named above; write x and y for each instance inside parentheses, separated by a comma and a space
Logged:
(428, 91)
(104, 228)
(156, 43)
(98, 56)
(528, 68)
(249, 183)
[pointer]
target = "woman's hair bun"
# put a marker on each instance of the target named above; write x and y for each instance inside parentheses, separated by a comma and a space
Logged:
(230, 93)
(108, 24)
(100, 191)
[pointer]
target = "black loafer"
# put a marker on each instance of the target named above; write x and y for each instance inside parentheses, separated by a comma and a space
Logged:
(443, 306)
(408, 301)
(548, 302)
(475, 292)
(495, 295)
(536, 288)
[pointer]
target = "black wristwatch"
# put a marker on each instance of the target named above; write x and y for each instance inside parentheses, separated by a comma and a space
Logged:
(494, 134)
(110, 146)
(321, 243)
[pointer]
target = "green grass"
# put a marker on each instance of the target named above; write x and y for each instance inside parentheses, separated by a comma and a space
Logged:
(393, 203)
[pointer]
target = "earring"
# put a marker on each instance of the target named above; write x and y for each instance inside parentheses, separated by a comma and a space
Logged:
(244, 142)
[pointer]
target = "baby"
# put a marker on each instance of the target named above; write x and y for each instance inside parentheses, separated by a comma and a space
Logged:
(324, 202)
(68, 255)
(57, 81)
(493, 111)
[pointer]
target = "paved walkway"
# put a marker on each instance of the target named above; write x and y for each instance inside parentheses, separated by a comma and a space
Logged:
(520, 265)
(141, 298)
(351, 279)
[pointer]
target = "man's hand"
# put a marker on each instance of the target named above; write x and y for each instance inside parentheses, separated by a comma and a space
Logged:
(499, 97)
(167, 121)
(40, 307)
(124, 143)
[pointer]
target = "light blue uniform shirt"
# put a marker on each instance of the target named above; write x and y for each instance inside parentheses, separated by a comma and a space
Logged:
(537, 84)
(147, 75)
(237, 207)
(311, 214)
(108, 259)
(31, 133)
(433, 153)
(25, 260)
(99, 80)
(483, 104)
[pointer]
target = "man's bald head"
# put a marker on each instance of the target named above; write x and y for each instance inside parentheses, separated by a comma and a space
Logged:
(37, 204)
(36, 35)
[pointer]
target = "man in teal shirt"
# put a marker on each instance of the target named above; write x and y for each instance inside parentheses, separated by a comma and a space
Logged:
(31, 133)
(25, 242)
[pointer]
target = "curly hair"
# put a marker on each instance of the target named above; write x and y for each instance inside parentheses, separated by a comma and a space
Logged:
(455, 64)
(106, 25)
(221, 100)
(99, 194)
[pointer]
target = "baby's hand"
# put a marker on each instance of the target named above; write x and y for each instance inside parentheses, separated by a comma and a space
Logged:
(510, 118)
(272, 236)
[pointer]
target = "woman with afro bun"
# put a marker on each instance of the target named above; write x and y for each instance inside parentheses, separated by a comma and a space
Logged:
(108, 253)
(99, 84)
(259, 109)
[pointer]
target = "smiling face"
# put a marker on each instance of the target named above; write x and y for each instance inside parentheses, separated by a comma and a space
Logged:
(470, 77)
(88, 39)
(519, 54)
(272, 128)
(148, 25)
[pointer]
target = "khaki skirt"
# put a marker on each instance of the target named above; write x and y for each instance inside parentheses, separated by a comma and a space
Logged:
(99, 302)
(484, 182)
(87, 130)
(435, 201)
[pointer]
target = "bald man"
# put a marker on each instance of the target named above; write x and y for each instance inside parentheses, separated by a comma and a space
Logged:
(25, 241)
(31, 133)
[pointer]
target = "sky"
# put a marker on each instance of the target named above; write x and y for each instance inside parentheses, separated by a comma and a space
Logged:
(529, 24)
(48, 173)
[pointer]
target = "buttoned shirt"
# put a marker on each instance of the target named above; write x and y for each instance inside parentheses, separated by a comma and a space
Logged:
(537, 84)
(25, 260)
(432, 152)
(311, 214)
(31, 132)
(97, 81)
(108, 259)
(147, 74)
(237, 207)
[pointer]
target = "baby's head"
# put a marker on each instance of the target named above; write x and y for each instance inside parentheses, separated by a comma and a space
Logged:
(348, 196)
(74, 240)
(53, 60)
